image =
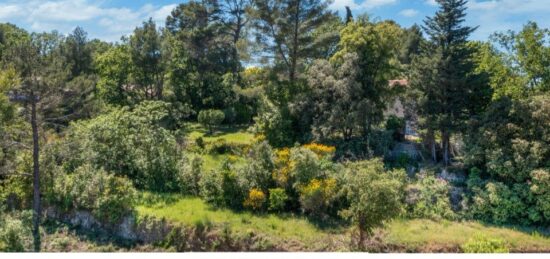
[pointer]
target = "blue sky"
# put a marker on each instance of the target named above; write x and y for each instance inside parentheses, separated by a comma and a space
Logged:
(110, 19)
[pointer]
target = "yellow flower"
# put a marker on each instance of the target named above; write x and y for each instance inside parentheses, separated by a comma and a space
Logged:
(320, 149)
(255, 200)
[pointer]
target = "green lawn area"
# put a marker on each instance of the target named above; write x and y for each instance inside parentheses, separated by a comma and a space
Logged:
(189, 210)
(413, 234)
(420, 232)
(237, 135)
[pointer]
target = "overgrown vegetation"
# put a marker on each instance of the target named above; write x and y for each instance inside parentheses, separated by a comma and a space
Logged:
(346, 134)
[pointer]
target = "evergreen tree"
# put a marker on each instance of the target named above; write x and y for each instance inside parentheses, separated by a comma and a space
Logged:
(451, 92)
(147, 59)
(285, 27)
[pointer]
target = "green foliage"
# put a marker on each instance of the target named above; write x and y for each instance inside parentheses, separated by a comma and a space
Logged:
(482, 244)
(375, 196)
(277, 199)
(397, 126)
(129, 143)
(15, 232)
(318, 195)
(211, 118)
(275, 124)
(113, 70)
(509, 145)
(190, 175)
(429, 198)
(527, 56)
(108, 197)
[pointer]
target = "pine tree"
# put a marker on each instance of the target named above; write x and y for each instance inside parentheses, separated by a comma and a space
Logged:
(452, 93)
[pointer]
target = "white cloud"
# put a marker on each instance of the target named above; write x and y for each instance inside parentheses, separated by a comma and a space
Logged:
(64, 15)
(339, 5)
(409, 13)
(431, 2)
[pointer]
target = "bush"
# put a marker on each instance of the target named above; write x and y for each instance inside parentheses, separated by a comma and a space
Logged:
(190, 175)
(15, 232)
(277, 199)
(429, 198)
(257, 173)
(211, 188)
(128, 143)
(211, 118)
(255, 200)
(375, 195)
(316, 197)
(108, 197)
(481, 244)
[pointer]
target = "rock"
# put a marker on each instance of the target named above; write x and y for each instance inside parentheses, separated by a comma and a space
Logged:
(126, 228)
(83, 219)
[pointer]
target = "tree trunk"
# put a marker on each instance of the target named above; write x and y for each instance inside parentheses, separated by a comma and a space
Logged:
(431, 139)
(445, 139)
(361, 244)
(36, 176)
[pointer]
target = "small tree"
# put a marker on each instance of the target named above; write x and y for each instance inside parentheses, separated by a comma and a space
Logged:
(375, 196)
(211, 118)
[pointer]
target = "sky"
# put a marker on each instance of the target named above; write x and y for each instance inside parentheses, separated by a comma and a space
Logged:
(110, 19)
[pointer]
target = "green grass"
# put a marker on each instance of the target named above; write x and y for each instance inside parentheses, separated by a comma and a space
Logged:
(417, 233)
(237, 135)
(189, 210)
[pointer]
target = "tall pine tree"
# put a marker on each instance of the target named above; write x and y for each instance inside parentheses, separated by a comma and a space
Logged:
(450, 91)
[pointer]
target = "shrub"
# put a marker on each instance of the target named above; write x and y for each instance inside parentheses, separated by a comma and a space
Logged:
(190, 175)
(429, 198)
(316, 197)
(481, 244)
(128, 143)
(211, 188)
(277, 199)
(255, 200)
(106, 196)
(499, 203)
(375, 196)
(257, 173)
(211, 118)
(321, 150)
(15, 232)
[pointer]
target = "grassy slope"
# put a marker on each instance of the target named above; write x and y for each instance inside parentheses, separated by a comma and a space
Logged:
(412, 234)
(417, 233)
(189, 210)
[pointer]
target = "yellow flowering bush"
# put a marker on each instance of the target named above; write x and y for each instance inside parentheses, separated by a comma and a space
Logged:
(255, 200)
(320, 149)
(281, 173)
(316, 196)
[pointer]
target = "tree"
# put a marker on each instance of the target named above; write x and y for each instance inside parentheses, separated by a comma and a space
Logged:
(236, 18)
(113, 69)
(451, 92)
(77, 52)
(375, 196)
(34, 58)
(375, 45)
(201, 53)
(527, 54)
(211, 118)
(147, 61)
(285, 27)
(335, 97)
